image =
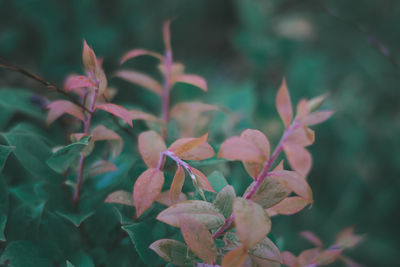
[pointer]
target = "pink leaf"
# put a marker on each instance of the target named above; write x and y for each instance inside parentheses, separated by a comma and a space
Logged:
(289, 259)
(302, 136)
(64, 106)
(100, 167)
(151, 145)
(260, 141)
(192, 79)
(117, 110)
(284, 105)
(294, 182)
(76, 82)
(164, 198)
(236, 148)
(317, 117)
(100, 133)
(141, 79)
(146, 189)
(140, 115)
(288, 206)
(312, 238)
(299, 158)
(140, 52)
(347, 239)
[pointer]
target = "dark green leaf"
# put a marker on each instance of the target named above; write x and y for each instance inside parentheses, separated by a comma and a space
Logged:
(4, 153)
(23, 253)
(141, 238)
(217, 180)
(76, 219)
(172, 251)
(81, 259)
(32, 152)
(17, 100)
(64, 157)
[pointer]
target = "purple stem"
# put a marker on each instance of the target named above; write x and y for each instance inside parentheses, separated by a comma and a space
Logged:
(86, 129)
(261, 177)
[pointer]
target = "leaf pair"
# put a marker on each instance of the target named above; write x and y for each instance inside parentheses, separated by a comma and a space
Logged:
(153, 150)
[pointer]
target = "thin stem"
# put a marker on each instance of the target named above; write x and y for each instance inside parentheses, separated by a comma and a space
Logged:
(9, 66)
(86, 129)
(261, 177)
(165, 93)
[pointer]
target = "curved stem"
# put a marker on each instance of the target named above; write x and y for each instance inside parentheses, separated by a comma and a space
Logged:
(165, 93)
(261, 177)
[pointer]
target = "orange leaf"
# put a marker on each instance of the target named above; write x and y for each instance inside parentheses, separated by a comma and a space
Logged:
(63, 106)
(202, 180)
(192, 79)
(251, 221)
(198, 238)
(236, 148)
(146, 189)
(151, 145)
(100, 133)
(203, 151)
(288, 206)
(235, 258)
(89, 58)
(181, 147)
(284, 105)
(117, 110)
(176, 186)
(294, 182)
(299, 158)
(141, 79)
(140, 52)
(317, 117)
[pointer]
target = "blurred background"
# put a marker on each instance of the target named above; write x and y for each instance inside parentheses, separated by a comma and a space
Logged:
(244, 48)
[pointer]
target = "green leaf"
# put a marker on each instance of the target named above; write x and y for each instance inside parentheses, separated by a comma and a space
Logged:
(4, 153)
(32, 152)
(141, 238)
(224, 200)
(217, 180)
(81, 259)
(17, 100)
(172, 251)
(202, 211)
(64, 157)
(3, 208)
(269, 193)
(69, 264)
(122, 217)
(76, 219)
(23, 253)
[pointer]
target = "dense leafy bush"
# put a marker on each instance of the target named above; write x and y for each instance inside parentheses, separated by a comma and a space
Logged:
(72, 205)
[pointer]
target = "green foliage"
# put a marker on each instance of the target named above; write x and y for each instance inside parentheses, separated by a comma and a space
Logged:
(243, 48)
